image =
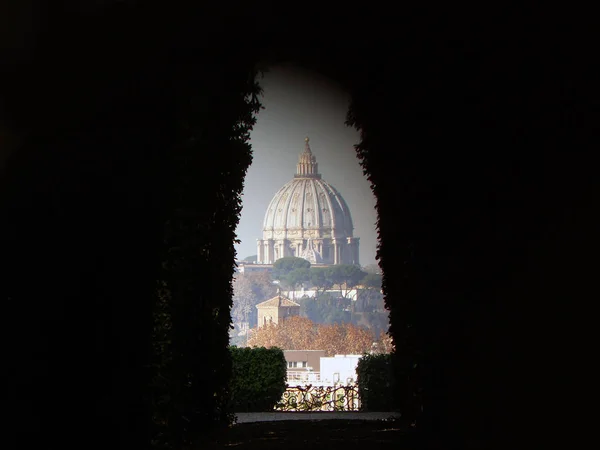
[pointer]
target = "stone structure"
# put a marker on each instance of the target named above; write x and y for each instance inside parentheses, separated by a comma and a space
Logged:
(276, 309)
(308, 218)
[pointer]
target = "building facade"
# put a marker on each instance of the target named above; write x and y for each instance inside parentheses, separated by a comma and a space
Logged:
(313, 367)
(304, 360)
(275, 310)
(351, 294)
(308, 218)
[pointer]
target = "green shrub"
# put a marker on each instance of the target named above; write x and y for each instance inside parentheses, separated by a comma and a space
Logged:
(258, 379)
(376, 383)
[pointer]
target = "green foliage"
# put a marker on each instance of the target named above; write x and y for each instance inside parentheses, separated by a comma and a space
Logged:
(199, 237)
(283, 266)
(371, 299)
(346, 274)
(376, 382)
(293, 272)
(372, 268)
(297, 277)
(258, 378)
(320, 279)
(326, 309)
(250, 258)
(400, 283)
(372, 280)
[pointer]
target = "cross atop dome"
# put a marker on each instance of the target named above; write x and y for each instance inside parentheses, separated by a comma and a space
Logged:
(307, 166)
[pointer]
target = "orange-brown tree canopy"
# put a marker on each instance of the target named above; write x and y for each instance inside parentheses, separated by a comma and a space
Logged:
(300, 333)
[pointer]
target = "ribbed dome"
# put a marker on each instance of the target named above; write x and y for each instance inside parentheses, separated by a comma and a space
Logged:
(307, 206)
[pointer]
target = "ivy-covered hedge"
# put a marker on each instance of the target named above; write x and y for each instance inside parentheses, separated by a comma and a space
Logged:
(376, 383)
(258, 378)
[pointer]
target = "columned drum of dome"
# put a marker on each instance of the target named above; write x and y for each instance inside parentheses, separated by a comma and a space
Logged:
(308, 218)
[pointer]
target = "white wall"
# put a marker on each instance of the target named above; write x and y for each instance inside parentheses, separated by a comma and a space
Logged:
(351, 294)
(344, 365)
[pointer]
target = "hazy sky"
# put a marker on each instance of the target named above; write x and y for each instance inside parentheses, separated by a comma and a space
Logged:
(298, 104)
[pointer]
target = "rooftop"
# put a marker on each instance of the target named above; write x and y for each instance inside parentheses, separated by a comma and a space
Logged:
(277, 301)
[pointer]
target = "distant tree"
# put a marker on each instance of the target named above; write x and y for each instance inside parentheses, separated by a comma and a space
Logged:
(331, 338)
(372, 268)
(290, 334)
(297, 278)
(383, 344)
(357, 340)
(283, 266)
(343, 339)
(371, 280)
(371, 297)
(249, 289)
(346, 276)
(325, 309)
(320, 279)
(378, 322)
(250, 258)
(243, 298)
(267, 336)
(300, 333)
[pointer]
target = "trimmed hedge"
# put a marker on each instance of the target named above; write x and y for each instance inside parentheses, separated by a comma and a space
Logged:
(376, 383)
(258, 378)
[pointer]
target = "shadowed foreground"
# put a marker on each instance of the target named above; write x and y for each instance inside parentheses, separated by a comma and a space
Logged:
(314, 415)
(346, 434)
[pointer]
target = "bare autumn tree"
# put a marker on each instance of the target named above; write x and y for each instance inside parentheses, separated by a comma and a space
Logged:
(243, 298)
(249, 289)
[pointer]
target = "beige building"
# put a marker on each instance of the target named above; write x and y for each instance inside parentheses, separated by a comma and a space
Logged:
(308, 218)
(276, 309)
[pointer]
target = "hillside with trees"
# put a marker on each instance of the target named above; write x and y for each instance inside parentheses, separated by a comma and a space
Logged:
(333, 307)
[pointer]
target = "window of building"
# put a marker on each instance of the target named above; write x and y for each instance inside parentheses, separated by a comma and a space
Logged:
(304, 363)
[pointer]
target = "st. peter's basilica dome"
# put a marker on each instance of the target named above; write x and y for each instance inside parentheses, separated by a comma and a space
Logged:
(308, 218)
